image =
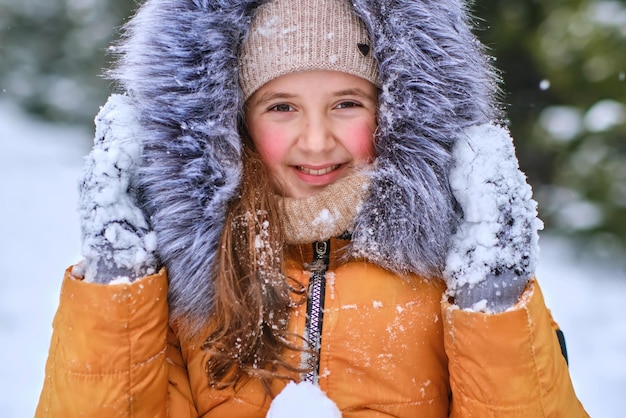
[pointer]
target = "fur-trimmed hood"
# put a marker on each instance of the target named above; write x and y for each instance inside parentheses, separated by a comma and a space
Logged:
(178, 63)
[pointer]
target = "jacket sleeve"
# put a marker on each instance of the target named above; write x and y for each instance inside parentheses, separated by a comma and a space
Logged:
(112, 354)
(508, 364)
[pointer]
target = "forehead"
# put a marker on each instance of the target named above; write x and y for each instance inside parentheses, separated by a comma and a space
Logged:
(314, 83)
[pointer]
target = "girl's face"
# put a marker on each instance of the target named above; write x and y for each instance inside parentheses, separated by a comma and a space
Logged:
(312, 128)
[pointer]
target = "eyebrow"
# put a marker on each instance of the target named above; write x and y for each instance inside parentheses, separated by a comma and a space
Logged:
(352, 92)
(272, 95)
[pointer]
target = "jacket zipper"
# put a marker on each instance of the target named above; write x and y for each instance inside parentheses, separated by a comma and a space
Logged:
(315, 309)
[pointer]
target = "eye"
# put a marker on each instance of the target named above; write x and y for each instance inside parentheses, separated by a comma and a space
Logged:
(347, 105)
(282, 107)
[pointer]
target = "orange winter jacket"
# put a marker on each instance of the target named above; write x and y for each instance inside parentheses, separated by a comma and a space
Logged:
(390, 348)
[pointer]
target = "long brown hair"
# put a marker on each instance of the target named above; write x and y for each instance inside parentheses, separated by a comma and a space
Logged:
(253, 298)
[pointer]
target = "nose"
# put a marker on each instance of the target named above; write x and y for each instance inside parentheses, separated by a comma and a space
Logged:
(316, 135)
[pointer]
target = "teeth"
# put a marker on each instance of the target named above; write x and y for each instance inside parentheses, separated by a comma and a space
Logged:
(320, 172)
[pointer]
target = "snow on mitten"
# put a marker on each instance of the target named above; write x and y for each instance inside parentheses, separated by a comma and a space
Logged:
(117, 241)
(494, 252)
(302, 400)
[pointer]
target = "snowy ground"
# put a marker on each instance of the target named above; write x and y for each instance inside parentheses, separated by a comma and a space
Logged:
(39, 167)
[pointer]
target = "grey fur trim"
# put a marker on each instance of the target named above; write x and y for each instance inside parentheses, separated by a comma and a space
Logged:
(436, 81)
(179, 64)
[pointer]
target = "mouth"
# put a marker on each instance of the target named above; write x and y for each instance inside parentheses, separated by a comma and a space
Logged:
(318, 172)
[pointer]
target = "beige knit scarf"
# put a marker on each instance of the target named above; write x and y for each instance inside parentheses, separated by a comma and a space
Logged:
(327, 214)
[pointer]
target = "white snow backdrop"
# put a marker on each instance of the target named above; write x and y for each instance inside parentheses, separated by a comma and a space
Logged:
(39, 237)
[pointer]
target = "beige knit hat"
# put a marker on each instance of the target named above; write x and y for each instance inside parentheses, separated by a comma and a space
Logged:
(288, 36)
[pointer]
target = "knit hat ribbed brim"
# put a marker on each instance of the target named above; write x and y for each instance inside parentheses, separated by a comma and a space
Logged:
(288, 36)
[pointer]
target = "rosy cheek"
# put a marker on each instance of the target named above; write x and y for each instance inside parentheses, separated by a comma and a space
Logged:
(360, 141)
(270, 145)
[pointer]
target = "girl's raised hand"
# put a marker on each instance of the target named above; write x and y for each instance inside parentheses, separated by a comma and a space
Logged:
(117, 241)
(494, 252)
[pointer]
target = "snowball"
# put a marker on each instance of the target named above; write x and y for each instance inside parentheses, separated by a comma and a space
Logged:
(303, 400)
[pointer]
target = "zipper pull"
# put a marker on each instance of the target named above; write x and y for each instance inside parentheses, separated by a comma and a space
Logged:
(321, 257)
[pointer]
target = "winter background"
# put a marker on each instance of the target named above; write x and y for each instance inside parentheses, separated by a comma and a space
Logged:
(39, 237)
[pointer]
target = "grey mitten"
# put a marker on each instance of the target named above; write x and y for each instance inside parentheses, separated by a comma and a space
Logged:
(117, 241)
(494, 252)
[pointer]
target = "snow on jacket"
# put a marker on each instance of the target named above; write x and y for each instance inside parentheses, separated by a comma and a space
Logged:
(389, 348)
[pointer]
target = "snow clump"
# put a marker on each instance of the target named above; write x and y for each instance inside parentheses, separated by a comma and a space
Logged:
(500, 224)
(303, 400)
(115, 232)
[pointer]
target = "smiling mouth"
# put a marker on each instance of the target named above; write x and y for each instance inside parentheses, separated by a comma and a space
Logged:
(320, 172)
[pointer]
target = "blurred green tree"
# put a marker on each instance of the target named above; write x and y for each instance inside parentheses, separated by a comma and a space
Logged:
(52, 53)
(563, 66)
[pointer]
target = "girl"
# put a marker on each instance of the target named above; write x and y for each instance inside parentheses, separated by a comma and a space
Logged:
(309, 191)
